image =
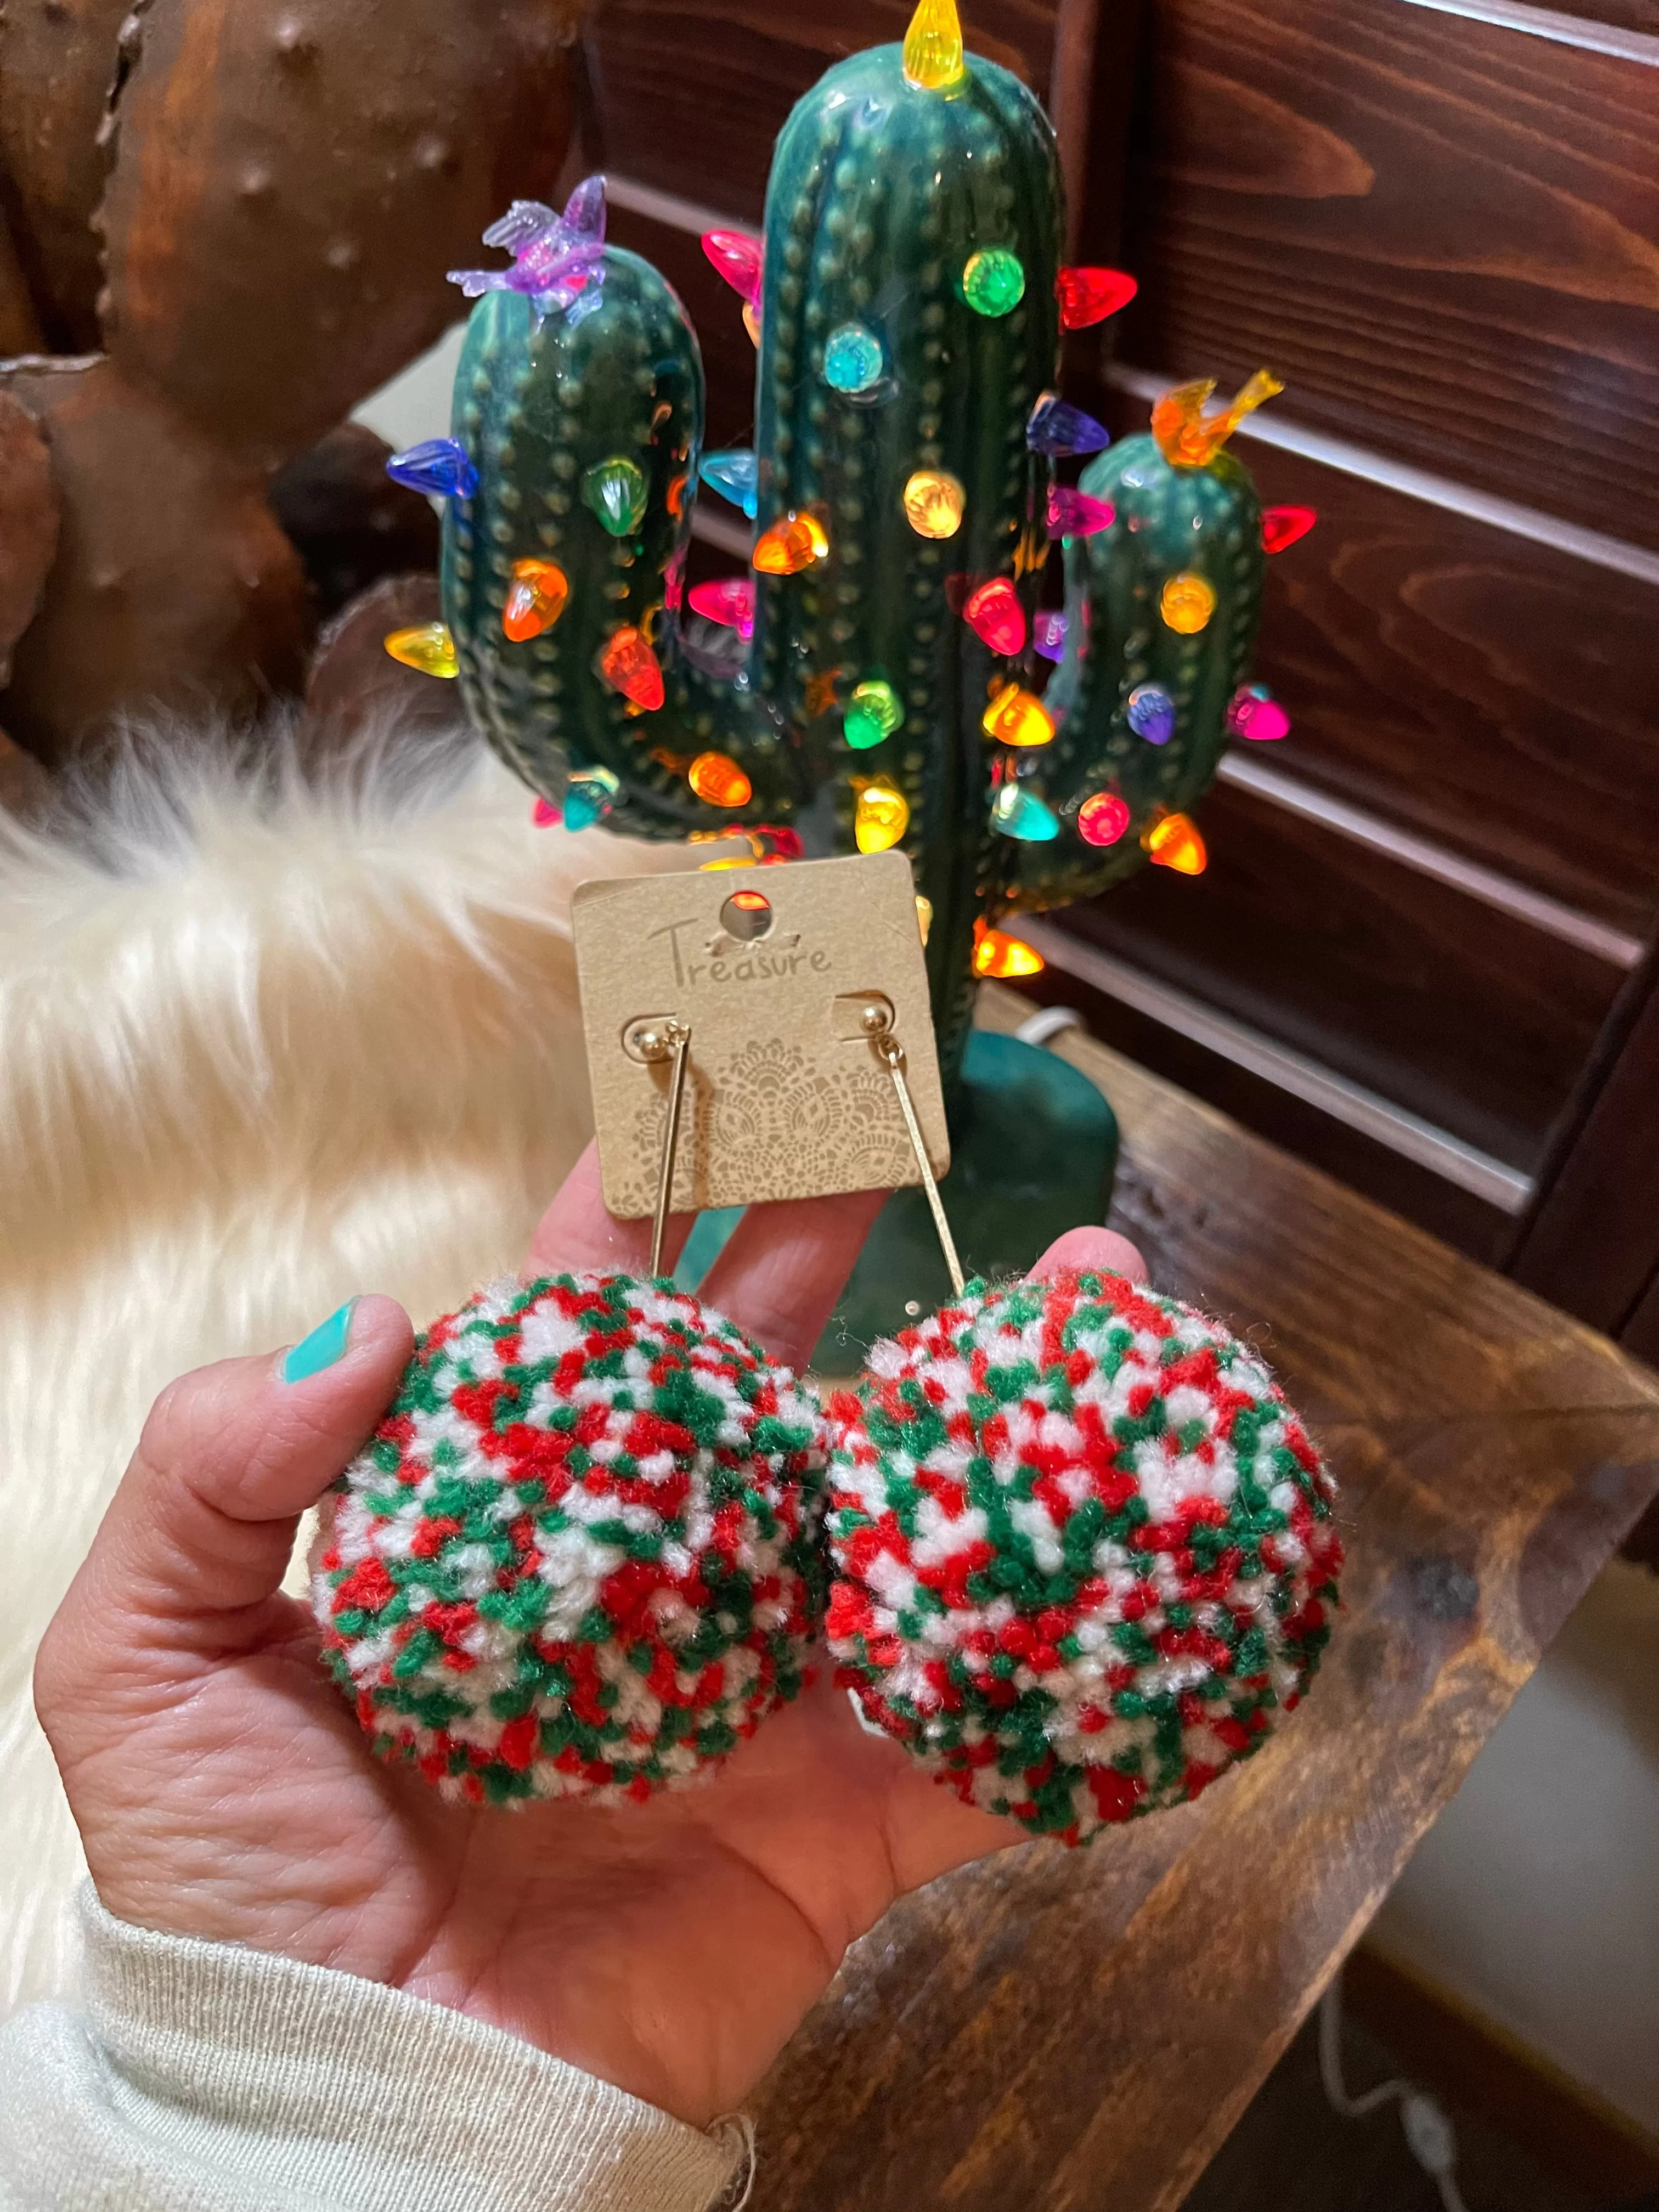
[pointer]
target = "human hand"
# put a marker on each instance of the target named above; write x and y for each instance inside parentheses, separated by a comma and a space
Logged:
(223, 1790)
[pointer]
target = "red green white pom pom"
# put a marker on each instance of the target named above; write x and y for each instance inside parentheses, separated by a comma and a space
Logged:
(579, 1557)
(1083, 1550)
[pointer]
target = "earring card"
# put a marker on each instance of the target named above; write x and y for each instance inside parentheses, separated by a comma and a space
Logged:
(770, 970)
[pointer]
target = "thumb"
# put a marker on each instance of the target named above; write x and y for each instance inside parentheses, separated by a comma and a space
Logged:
(198, 1536)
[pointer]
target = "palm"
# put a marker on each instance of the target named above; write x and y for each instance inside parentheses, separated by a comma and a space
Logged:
(222, 1790)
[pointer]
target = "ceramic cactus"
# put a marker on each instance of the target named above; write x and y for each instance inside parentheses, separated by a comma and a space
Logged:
(878, 681)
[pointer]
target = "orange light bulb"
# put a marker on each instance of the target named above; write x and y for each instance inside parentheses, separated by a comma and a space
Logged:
(535, 599)
(1001, 956)
(1187, 602)
(1173, 842)
(717, 778)
(790, 544)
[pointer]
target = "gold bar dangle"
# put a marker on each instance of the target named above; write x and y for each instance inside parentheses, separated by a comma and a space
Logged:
(877, 1022)
(672, 1039)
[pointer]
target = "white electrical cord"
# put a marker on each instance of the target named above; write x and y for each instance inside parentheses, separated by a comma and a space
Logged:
(1430, 2136)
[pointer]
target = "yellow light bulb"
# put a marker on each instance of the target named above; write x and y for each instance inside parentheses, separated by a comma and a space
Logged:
(924, 916)
(881, 817)
(1017, 718)
(427, 647)
(1187, 602)
(933, 47)
(933, 501)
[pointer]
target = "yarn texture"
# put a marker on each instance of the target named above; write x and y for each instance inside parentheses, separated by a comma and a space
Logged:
(1083, 1552)
(580, 1555)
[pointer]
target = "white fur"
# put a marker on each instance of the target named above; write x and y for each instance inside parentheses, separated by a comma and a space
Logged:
(265, 1039)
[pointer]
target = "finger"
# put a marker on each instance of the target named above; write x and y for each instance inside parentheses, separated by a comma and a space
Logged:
(577, 1233)
(785, 1265)
(201, 1528)
(1102, 1251)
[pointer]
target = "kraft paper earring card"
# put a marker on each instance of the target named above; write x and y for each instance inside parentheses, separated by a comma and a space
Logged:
(783, 977)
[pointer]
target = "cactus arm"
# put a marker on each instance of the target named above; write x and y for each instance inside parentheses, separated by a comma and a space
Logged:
(537, 408)
(1170, 520)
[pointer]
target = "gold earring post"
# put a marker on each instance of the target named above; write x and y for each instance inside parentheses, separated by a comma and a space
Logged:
(656, 1045)
(877, 1026)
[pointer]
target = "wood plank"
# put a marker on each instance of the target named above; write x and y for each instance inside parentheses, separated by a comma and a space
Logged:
(1444, 233)
(1492, 694)
(1464, 1015)
(1592, 1244)
(1052, 2030)
(691, 94)
(1457, 1217)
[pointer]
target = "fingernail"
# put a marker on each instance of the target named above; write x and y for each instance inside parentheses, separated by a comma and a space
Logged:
(325, 1344)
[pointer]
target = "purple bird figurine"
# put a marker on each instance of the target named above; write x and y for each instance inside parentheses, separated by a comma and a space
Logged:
(556, 258)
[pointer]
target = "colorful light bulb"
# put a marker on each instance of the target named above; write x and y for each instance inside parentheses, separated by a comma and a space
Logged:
(1187, 602)
(427, 647)
(717, 778)
(1089, 295)
(544, 815)
(1173, 842)
(924, 916)
(628, 666)
(751, 322)
(1058, 427)
(730, 601)
(1001, 956)
(1102, 819)
(616, 490)
(933, 55)
(1254, 713)
(880, 818)
(934, 501)
(436, 465)
(1019, 813)
(1075, 514)
(873, 712)
(994, 281)
(853, 359)
(740, 259)
(535, 599)
(1282, 525)
(735, 475)
(589, 797)
(1151, 714)
(996, 617)
(1017, 717)
(1049, 635)
(790, 544)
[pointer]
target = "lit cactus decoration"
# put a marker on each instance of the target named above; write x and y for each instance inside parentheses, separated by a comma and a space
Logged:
(877, 678)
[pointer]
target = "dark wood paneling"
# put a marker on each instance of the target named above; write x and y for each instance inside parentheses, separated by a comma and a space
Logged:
(1455, 1215)
(691, 96)
(1617, 15)
(1492, 694)
(1592, 1244)
(1441, 233)
(1474, 1021)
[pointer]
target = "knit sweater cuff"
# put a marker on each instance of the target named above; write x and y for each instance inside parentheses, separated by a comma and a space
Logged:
(304, 2085)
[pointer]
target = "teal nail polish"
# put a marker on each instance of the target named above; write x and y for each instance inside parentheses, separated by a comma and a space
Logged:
(325, 1344)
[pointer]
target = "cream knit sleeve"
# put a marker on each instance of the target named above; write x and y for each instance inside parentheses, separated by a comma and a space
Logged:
(199, 2077)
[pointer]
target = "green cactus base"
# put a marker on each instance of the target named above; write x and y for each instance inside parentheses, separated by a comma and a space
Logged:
(1034, 1151)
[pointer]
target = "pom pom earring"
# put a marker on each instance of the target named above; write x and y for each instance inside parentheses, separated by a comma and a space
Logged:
(580, 1555)
(1083, 1552)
